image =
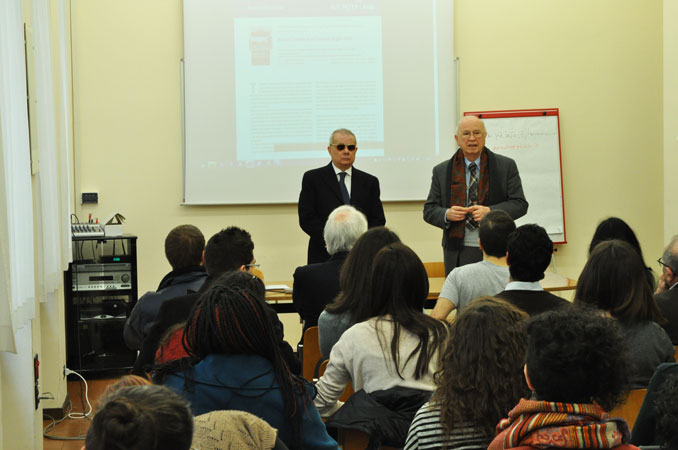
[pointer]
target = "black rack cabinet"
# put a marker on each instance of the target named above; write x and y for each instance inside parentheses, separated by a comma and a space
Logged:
(100, 290)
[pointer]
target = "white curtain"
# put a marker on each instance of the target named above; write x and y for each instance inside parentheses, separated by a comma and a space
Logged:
(65, 127)
(52, 226)
(17, 297)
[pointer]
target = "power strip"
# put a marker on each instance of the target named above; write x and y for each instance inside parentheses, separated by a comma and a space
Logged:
(87, 230)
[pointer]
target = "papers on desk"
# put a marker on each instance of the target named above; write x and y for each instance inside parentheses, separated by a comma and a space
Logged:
(279, 288)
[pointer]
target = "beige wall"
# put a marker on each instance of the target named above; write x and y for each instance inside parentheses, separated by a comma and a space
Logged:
(599, 62)
(670, 118)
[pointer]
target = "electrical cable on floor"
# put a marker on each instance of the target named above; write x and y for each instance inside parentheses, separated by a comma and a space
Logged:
(82, 415)
(70, 415)
(51, 426)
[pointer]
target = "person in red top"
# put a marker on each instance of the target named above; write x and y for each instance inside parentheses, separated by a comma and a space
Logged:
(577, 369)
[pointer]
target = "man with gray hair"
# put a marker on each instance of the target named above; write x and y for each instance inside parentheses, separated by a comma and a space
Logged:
(467, 187)
(315, 285)
(338, 183)
(667, 291)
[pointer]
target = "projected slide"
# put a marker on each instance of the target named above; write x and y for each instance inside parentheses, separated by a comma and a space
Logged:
(298, 77)
(267, 81)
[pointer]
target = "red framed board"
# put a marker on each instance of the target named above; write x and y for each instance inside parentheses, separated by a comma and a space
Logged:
(531, 137)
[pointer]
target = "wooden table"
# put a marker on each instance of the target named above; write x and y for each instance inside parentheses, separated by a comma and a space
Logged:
(282, 301)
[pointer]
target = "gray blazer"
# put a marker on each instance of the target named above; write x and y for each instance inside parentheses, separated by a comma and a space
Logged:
(506, 191)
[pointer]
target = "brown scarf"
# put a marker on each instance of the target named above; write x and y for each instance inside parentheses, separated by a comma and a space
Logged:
(458, 189)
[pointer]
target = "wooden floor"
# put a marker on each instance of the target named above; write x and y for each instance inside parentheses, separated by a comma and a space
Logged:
(76, 427)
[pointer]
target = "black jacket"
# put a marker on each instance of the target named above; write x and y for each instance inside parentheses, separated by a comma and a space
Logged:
(385, 416)
(174, 284)
(316, 285)
(320, 196)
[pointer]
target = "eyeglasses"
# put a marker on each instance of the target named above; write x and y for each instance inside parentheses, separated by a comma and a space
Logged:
(340, 147)
(475, 133)
(662, 264)
(249, 266)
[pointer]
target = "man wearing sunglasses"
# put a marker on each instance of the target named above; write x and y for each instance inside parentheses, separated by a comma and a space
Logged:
(466, 187)
(667, 291)
(336, 184)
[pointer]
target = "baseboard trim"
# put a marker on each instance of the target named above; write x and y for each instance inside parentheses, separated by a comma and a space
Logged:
(58, 413)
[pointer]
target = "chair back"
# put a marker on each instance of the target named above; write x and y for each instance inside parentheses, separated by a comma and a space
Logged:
(435, 269)
(351, 439)
(629, 409)
(257, 273)
(310, 354)
(348, 391)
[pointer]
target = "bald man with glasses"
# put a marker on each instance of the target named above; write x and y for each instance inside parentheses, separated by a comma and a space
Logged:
(336, 184)
(466, 187)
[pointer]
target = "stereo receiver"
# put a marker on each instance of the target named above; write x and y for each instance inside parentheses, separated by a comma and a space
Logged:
(102, 277)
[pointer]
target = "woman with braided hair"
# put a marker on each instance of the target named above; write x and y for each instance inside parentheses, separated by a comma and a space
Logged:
(234, 362)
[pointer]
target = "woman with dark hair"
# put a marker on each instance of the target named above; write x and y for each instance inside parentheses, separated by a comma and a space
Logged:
(235, 363)
(481, 379)
(351, 305)
(398, 345)
(577, 369)
(614, 281)
(170, 346)
(616, 228)
(141, 418)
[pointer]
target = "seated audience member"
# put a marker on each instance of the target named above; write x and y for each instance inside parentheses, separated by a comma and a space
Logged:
(315, 285)
(480, 380)
(577, 369)
(645, 430)
(219, 430)
(615, 228)
(667, 293)
(487, 277)
(235, 363)
(228, 250)
(125, 381)
(141, 418)
(183, 248)
(667, 414)
(352, 305)
(528, 254)
(614, 280)
(171, 346)
(399, 346)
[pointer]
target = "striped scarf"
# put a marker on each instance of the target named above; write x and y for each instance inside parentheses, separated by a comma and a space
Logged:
(559, 425)
(458, 188)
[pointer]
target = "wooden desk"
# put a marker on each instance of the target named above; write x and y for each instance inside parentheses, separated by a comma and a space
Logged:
(282, 302)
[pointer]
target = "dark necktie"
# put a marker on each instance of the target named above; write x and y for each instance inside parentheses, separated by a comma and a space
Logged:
(342, 188)
(472, 195)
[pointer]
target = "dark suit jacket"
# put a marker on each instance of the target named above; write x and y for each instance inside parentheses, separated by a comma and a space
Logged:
(532, 302)
(177, 310)
(320, 195)
(506, 192)
(668, 305)
(315, 285)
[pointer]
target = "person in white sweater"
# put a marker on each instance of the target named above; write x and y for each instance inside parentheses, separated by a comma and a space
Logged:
(398, 346)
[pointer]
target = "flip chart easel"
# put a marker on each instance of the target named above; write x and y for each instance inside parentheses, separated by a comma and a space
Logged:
(531, 137)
